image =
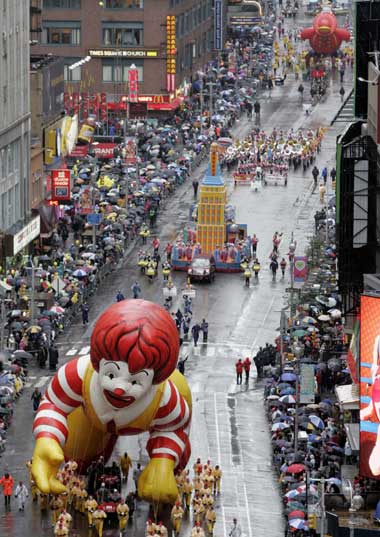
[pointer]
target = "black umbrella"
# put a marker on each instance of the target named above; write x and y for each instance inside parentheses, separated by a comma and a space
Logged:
(23, 355)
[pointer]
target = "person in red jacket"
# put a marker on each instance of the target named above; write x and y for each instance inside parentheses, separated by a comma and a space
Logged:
(247, 368)
(239, 371)
(7, 483)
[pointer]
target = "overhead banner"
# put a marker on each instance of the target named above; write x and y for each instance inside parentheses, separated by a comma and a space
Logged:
(370, 386)
(300, 268)
(61, 185)
(104, 150)
(218, 24)
(307, 383)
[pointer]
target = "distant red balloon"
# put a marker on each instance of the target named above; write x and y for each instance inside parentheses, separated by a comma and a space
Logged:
(325, 37)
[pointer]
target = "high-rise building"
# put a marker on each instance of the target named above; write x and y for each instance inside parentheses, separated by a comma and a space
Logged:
(14, 114)
(111, 35)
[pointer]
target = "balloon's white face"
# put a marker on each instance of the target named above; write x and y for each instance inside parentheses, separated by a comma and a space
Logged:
(120, 387)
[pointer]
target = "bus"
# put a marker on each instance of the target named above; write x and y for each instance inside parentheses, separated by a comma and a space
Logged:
(244, 13)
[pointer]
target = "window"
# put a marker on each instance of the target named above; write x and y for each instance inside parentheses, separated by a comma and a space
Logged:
(16, 154)
(123, 34)
(4, 172)
(10, 159)
(181, 25)
(124, 4)
(72, 75)
(116, 70)
(204, 10)
(4, 211)
(61, 33)
(62, 4)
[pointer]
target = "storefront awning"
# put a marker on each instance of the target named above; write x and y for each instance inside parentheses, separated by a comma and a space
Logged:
(348, 396)
(170, 107)
(49, 218)
(353, 435)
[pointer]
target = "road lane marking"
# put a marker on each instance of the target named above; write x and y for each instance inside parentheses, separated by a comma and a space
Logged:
(219, 459)
(84, 350)
(71, 352)
(41, 382)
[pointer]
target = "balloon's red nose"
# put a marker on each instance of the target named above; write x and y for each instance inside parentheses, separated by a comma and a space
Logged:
(119, 392)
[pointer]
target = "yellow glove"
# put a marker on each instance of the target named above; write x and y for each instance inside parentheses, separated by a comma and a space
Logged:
(47, 458)
(157, 483)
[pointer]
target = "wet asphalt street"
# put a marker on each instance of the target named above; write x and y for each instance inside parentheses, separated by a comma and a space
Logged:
(229, 424)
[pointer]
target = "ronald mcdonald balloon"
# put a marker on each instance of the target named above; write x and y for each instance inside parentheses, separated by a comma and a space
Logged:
(325, 37)
(128, 385)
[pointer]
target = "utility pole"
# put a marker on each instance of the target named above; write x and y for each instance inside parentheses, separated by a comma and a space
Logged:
(33, 297)
(201, 103)
(2, 323)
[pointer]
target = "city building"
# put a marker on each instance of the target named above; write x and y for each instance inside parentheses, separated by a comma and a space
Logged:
(14, 116)
(46, 91)
(108, 36)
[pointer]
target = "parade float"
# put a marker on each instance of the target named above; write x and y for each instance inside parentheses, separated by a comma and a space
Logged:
(324, 36)
(216, 236)
(128, 385)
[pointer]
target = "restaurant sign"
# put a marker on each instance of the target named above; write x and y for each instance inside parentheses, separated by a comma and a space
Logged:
(15, 243)
(123, 53)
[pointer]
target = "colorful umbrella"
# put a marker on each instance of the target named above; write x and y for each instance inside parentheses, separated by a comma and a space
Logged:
(292, 494)
(296, 514)
(34, 329)
(296, 468)
(299, 333)
(308, 320)
(288, 377)
(57, 309)
(79, 273)
(316, 421)
(288, 391)
(280, 426)
(298, 524)
(287, 399)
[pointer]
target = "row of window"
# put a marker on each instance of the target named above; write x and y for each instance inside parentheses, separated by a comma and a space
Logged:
(122, 34)
(115, 70)
(10, 199)
(108, 4)
(9, 159)
(191, 19)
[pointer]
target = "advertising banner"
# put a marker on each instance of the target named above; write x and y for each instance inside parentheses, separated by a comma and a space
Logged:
(133, 84)
(370, 386)
(300, 268)
(307, 383)
(218, 25)
(60, 185)
(52, 89)
(103, 150)
(130, 155)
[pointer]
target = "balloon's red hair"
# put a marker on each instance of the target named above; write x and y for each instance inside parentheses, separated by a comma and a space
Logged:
(138, 332)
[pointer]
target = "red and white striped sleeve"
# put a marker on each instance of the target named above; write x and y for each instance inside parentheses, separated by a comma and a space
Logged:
(63, 395)
(169, 430)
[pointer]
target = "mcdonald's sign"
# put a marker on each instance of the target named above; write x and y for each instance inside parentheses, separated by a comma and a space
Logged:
(158, 99)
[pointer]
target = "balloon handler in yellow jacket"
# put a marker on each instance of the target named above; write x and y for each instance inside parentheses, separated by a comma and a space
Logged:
(128, 385)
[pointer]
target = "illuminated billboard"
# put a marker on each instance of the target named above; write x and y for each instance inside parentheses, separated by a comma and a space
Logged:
(370, 386)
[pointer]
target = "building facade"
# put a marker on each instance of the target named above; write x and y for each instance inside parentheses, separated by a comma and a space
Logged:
(112, 34)
(14, 114)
